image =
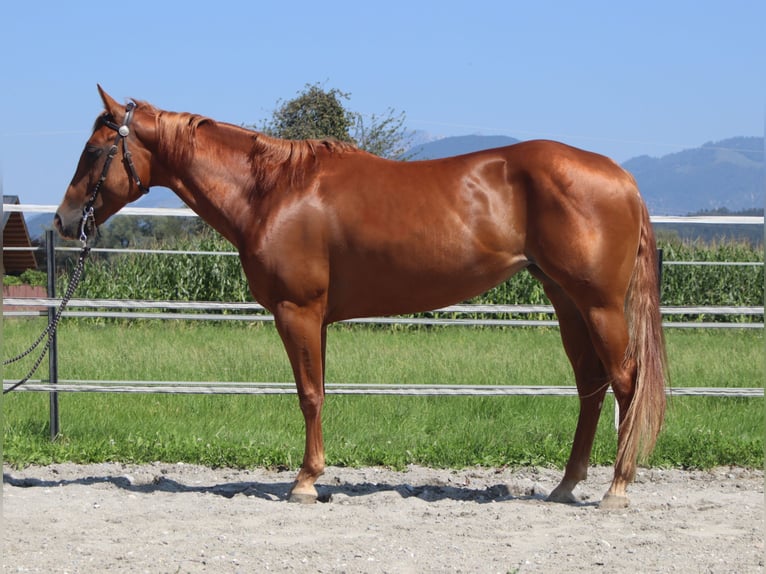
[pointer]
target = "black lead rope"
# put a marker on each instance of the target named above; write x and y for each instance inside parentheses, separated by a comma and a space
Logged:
(50, 330)
(87, 216)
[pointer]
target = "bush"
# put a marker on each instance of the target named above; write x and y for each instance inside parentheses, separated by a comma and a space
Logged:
(29, 277)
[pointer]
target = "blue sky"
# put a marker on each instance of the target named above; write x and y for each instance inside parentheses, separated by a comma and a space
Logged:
(620, 78)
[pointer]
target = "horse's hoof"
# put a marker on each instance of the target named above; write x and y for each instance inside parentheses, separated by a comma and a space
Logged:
(562, 496)
(613, 502)
(302, 498)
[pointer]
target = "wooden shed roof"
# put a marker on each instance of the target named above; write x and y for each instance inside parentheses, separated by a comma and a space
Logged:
(16, 234)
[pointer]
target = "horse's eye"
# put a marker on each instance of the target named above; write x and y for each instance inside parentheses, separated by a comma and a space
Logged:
(93, 151)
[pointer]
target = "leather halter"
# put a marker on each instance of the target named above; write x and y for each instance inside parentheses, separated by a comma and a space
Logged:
(123, 131)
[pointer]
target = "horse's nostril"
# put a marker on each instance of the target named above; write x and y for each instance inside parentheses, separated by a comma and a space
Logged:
(58, 225)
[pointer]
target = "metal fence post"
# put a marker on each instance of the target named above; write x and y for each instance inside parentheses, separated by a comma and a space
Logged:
(53, 374)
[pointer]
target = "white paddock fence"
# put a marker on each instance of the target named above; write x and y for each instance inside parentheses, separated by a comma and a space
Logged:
(448, 316)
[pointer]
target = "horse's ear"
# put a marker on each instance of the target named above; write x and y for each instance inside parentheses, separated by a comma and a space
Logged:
(110, 104)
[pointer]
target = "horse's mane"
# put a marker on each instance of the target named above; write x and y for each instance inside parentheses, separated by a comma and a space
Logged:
(176, 133)
(271, 159)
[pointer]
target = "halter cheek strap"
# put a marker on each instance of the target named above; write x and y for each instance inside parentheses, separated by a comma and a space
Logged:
(123, 131)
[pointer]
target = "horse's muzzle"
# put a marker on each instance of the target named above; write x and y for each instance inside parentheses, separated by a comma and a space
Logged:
(68, 228)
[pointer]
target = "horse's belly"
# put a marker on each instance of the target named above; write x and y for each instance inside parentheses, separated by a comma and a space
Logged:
(372, 288)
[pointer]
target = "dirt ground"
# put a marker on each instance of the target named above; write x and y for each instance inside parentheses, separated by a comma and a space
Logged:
(184, 518)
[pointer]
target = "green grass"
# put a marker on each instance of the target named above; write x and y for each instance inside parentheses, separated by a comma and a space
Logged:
(245, 431)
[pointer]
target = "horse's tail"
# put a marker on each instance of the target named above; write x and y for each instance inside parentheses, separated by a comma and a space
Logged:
(646, 349)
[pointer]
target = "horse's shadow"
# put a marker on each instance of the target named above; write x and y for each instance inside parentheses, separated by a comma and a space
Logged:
(279, 491)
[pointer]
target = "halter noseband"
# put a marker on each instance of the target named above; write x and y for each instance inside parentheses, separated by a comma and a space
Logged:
(123, 131)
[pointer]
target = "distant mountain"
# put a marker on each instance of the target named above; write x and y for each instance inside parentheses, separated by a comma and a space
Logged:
(160, 197)
(457, 145)
(726, 174)
(38, 224)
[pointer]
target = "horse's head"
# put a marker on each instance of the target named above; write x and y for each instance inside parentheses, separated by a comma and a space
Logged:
(110, 172)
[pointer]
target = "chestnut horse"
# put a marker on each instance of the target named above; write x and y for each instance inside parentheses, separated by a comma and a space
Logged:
(328, 232)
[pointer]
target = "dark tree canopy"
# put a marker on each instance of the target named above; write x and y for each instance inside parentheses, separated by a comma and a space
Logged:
(317, 113)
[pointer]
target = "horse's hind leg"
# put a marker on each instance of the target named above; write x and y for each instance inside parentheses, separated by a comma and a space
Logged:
(595, 335)
(609, 334)
(592, 384)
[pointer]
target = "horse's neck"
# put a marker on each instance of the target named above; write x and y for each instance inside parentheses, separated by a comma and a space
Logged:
(212, 179)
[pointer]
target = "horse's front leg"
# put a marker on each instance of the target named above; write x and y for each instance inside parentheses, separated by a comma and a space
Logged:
(303, 334)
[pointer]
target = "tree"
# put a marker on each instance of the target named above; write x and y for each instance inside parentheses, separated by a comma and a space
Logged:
(313, 114)
(136, 231)
(317, 113)
(384, 135)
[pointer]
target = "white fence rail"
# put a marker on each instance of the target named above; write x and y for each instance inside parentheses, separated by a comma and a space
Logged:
(253, 312)
(260, 388)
